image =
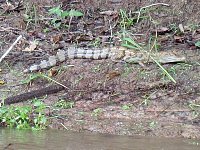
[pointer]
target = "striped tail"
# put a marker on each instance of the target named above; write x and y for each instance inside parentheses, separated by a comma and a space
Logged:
(70, 53)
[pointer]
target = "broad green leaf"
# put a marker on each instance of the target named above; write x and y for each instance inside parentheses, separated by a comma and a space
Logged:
(56, 11)
(65, 14)
(197, 44)
(74, 13)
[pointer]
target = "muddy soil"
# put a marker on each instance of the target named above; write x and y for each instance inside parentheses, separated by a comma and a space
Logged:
(106, 96)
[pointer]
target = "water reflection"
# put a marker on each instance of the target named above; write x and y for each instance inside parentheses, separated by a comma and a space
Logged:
(65, 140)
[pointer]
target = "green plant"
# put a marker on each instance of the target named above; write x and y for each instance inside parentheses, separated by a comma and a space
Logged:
(96, 68)
(96, 42)
(172, 70)
(127, 70)
(174, 28)
(39, 75)
(24, 117)
(64, 104)
(153, 124)
(31, 78)
(197, 44)
(40, 119)
(79, 78)
(30, 15)
(182, 66)
(146, 100)
(195, 108)
(126, 21)
(193, 27)
(142, 74)
(194, 143)
(46, 30)
(97, 112)
(15, 116)
(153, 41)
(60, 14)
(132, 44)
(127, 106)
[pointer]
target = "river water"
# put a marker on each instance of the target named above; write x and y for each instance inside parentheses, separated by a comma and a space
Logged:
(66, 140)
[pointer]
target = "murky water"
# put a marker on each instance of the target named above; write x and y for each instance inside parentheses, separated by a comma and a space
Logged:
(65, 140)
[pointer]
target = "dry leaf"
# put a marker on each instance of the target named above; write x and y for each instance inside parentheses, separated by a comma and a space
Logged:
(161, 30)
(181, 28)
(56, 39)
(109, 12)
(163, 38)
(32, 47)
(2, 82)
(7, 6)
(179, 39)
(112, 74)
(53, 72)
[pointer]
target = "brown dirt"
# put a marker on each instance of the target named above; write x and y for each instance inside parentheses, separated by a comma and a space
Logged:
(109, 97)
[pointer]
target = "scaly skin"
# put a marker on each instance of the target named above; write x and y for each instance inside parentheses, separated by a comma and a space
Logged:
(114, 53)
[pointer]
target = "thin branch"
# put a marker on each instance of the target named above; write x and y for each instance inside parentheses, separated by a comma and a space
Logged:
(10, 48)
(55, 81)
(148, 7)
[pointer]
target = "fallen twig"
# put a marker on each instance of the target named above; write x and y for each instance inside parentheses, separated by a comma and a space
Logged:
(8, 29)
(33, 94)
(55, 81)
(148, 7)
(10, 48)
